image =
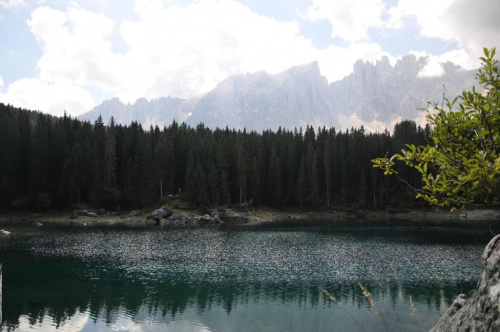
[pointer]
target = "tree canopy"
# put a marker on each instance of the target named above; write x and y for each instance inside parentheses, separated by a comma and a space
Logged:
(460, 166)
(49, 162)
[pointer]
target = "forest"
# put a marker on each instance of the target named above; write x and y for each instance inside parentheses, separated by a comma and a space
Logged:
(63, 163)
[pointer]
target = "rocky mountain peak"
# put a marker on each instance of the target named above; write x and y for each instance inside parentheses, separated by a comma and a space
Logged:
(375, 95)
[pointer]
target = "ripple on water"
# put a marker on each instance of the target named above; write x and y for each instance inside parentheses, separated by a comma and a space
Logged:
(178, 279)
(220, 256)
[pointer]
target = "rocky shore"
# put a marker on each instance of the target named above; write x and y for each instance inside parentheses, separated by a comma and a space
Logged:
(214, 217)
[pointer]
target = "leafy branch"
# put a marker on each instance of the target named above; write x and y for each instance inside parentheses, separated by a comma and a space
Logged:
(461, 166)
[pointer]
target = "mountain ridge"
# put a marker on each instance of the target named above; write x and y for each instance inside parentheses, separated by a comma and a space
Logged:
(375, 95)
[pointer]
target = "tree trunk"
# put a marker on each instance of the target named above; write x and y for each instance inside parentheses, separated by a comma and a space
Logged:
(161, 187)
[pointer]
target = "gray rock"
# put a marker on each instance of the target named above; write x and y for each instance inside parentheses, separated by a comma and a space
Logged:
(4, 232)
(160, 214)
(205, 219)
(482, 311)
(86, 213)
(175, 216)
(37, 224)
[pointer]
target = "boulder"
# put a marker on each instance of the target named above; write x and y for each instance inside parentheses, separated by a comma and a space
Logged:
(86, 213)
(205, 219)
(175, 216)
(160, 214)
(482, 311)
(4, 232)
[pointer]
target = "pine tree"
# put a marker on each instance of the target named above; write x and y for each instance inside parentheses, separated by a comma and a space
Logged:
(301, 184)
(111, 193)
(190, 179)
(213, 184)
(201, 185)
(242, 171)
(254, 182)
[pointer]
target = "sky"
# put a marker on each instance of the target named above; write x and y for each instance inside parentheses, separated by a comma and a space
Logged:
(63, 55)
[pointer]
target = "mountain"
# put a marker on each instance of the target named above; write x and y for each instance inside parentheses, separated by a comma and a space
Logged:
(161, 111)
(375, 95)
(296, 97)
(379, 94)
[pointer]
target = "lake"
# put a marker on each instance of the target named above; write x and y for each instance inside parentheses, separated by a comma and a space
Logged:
(302, 276)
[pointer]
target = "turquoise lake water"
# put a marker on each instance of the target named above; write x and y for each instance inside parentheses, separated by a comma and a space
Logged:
(281, 277)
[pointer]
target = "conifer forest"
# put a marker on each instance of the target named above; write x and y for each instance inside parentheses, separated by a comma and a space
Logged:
(61, 162)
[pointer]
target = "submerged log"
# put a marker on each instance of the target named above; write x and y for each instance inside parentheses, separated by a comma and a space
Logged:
(482, 311)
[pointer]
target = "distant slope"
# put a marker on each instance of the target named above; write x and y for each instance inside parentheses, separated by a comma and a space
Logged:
(374, 95)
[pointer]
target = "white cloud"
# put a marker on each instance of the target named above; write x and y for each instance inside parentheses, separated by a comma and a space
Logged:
(337, 62)
(34, 94)
(12, 3)
(433, 66)
(432, 69)
(428, 14)
(471, 25)
(76, 55)
(350, 19)
(181, 51)
(75, 49)
(191, 48)
(1, 82)
(462, 58)
(171, 50)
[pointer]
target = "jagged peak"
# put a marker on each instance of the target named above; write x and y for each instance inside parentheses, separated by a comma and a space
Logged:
(309, 67)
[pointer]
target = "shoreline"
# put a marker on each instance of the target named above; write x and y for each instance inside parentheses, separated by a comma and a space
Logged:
(251, 218)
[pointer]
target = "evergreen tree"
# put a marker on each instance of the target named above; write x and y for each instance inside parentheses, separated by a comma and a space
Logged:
(190, 179)
(111, 192)
(213, 184)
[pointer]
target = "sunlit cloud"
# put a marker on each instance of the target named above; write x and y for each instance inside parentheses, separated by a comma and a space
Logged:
(470, 25)
(184, 49)
(350, 19)
(12, 4)
(54, 98)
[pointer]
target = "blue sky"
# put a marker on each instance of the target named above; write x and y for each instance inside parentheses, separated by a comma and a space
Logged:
(62, 55)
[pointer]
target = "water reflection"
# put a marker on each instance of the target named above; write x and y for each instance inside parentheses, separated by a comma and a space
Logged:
(235, 279)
